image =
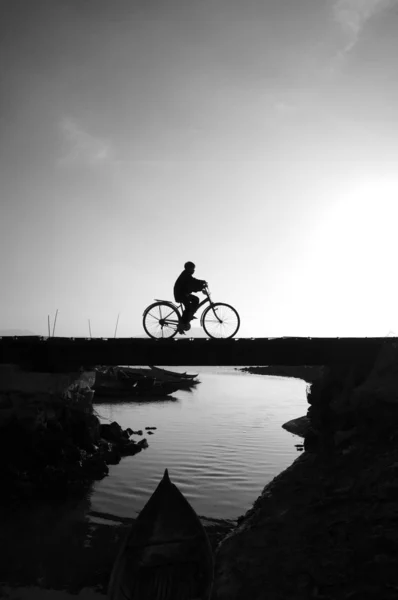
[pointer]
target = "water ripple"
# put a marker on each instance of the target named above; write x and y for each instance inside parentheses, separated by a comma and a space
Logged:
(221, 443)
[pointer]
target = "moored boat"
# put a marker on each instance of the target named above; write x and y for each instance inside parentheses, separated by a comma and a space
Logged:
(134, 382)
(184, 379)
(166, 555)
(165, 372)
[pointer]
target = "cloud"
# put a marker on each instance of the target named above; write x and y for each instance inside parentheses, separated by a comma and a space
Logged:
(352, 16)
(82, 146)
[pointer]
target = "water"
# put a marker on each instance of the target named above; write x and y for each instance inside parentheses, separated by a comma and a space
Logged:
(221, 443)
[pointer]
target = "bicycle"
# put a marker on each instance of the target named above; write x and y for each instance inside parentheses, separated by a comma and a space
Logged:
(162, 319)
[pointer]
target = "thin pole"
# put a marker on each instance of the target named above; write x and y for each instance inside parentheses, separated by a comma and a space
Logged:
(55, 320)
(116, 324)
(89, 327)
(48, 323)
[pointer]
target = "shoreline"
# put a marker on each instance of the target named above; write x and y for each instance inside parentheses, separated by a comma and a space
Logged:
(51, 436)
(308, 373)
(326, 527)
(310, 530)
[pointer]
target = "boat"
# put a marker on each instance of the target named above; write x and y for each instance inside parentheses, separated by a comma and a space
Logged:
(161, 374)
(137, 390)
(114, 382)
(127, 381)
(166, 554)
(175, 374)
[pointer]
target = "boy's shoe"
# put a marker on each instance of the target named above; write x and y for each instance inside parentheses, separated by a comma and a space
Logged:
(183, 327)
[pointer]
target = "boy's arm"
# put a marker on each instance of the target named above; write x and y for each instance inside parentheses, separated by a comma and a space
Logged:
(198, 283)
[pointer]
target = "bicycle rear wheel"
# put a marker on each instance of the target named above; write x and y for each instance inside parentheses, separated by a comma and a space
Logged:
(160, 320)
(220, 321)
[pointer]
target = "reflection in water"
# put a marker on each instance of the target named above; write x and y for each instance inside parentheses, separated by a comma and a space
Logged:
(221, 443)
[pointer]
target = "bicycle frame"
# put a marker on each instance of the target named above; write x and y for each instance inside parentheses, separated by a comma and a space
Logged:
(208, 299)
(179, 307)
(171, 317)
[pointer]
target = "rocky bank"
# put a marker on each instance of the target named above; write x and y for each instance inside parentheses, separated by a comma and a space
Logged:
(50, 436)
(327, 527)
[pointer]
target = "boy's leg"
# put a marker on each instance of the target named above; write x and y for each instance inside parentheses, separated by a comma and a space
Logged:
(185, 312)
(193, 305)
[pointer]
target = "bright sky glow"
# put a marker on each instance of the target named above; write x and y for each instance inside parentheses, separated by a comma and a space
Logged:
(259, 140)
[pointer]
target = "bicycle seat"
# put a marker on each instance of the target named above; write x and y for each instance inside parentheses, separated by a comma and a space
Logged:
(168, 302)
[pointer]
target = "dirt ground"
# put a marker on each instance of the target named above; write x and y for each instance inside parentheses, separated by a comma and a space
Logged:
(71, 556)
(325, 528)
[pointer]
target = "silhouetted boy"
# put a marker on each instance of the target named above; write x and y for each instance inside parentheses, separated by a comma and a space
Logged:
(183, 288)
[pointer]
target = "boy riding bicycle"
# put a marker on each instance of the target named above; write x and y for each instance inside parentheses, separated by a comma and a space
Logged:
(183, 288)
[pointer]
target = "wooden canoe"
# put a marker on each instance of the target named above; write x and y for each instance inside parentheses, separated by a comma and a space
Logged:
(166, 554)
(174, 374)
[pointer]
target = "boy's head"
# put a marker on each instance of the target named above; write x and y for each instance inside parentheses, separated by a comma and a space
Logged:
(190, 267)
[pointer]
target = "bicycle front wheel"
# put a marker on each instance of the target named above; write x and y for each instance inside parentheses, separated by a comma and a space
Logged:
(220, 321)
(160, 321)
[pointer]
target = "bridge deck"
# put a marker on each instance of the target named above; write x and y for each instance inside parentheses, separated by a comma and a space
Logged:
(63, 353)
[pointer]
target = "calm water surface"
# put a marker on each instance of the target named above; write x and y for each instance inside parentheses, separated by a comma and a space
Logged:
(222, 443)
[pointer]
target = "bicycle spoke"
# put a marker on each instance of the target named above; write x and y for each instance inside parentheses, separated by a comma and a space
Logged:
(170, 313)
(221, 321)
(157, 325)
(153, 316)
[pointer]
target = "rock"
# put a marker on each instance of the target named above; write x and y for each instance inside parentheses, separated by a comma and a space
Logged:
(112, 432)
(72, 454)
(150, 428)
(343, 436)
(110, 452)
(139, 432)
(104, 444)
(311, 442)
(150, 432)
(131, 448)
(50, 440)
(96, 467)
(127, 433)
(299, 426)
(143, 443)
(84, 429)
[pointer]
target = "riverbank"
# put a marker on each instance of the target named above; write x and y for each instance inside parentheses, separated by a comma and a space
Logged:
(326, 527)
(308, 373)
(51, 440)
(318, 530)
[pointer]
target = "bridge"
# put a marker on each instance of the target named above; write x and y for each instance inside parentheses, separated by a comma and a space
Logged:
(60, 354)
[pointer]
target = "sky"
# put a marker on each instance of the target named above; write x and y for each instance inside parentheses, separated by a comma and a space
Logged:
(258, 139)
